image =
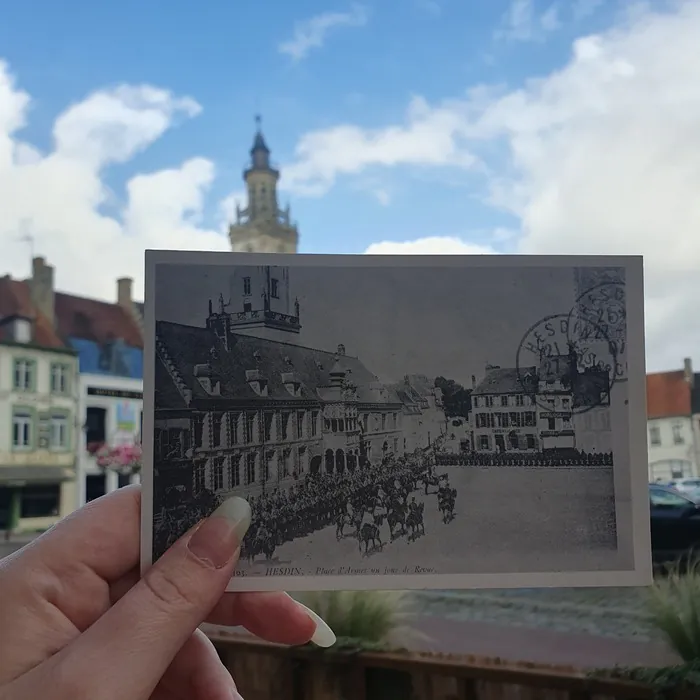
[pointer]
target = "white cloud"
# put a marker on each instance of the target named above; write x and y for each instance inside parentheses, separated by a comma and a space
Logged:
(312, 33)
(603, 157)
(86, 231)
(521, 22)
(383, 197)
(432, 245)
(429, 135)
(549, 21)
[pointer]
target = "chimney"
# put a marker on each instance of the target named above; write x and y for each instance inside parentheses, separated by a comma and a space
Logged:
(341, 349)
(688, 372)
(473, 381)
(124, 287)
(41, 288)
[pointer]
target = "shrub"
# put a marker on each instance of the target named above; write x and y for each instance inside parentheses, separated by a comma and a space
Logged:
(365, 618)
(674, 608)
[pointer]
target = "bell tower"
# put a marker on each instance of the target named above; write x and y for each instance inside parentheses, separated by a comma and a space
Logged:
(262, 227)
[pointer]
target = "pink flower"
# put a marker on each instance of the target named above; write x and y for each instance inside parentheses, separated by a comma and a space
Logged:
(122, 458)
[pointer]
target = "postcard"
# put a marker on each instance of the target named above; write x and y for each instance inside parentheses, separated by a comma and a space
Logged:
(403, 422)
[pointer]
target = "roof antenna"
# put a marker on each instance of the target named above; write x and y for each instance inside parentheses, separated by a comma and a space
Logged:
(27, 237)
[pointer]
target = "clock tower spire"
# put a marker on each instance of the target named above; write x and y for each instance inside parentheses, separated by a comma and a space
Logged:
(262, 227)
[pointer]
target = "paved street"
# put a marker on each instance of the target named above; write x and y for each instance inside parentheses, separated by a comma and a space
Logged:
(506, 520)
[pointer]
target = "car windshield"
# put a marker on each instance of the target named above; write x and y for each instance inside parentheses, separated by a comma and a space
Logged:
(662, 497)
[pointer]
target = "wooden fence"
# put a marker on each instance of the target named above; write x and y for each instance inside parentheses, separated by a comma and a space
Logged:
(270, 672)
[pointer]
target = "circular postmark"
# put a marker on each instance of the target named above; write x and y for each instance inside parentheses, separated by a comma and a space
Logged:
(598, 319)
(555, 358)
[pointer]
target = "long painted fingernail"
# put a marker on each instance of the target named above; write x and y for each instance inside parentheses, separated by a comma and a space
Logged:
(324, 635)
(217, 539)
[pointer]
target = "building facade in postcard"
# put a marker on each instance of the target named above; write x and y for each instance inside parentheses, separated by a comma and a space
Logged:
(540, 411)
(244, 407)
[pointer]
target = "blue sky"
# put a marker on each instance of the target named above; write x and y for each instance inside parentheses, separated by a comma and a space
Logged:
(227, 56)
(400, 125)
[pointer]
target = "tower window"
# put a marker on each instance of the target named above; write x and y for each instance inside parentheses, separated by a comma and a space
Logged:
(246, 286)
(274, 288)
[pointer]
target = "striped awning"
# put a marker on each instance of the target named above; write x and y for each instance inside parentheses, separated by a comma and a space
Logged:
(21, 476)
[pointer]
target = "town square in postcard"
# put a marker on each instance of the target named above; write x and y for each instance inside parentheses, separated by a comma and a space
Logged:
(414, 421)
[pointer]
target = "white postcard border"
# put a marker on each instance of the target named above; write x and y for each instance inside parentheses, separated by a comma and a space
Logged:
(639, 575)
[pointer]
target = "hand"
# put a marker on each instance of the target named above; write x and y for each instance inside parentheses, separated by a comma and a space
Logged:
(78, 623)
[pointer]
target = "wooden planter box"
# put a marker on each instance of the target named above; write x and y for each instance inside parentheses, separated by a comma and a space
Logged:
(270, 672)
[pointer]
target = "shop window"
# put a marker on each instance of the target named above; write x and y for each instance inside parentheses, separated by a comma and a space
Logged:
(94, 487)
(40, 501)
(96, 425)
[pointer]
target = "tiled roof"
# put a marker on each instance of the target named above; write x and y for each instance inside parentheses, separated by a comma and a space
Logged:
(587, 389)
(421, 384)
(668, 395)
(166, 392)
(188, 346)
(503, 380)
(99, 321)
(15, 300)
(410, 406)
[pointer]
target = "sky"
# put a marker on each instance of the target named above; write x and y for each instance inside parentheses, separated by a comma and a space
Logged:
(410, 320)
(400, 126)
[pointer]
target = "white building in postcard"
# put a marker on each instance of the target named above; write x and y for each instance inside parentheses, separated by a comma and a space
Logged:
(541, 409)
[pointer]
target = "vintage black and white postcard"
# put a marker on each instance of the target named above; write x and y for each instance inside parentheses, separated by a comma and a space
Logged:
(401, 422)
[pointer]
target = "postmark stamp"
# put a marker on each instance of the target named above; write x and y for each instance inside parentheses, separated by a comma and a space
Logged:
(567, 353)
(598, 318)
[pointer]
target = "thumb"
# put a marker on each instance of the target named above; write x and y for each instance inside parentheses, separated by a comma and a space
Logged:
(147, 627)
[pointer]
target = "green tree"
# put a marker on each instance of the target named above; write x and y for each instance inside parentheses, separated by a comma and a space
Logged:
(457, 400)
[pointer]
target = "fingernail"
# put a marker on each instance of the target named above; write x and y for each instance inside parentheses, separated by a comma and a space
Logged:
(324, 635)
(218, 538)
(235, 695)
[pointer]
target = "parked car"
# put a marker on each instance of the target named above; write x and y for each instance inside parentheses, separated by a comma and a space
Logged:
(689, 485)
(675, 524)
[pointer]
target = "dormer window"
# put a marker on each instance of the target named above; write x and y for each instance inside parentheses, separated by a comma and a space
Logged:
(22, 330)
(292, 383)
(319, 364)
(257, 356)
(287, 360)
(257, 381)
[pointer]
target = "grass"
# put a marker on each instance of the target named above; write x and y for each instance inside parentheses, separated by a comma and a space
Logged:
(674, 611)
(664, 681)
(674, 608)
(362, 619)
